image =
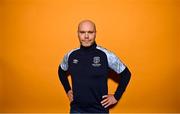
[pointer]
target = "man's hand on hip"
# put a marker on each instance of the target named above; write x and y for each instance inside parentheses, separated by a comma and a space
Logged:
(108, 100)
(70, 95)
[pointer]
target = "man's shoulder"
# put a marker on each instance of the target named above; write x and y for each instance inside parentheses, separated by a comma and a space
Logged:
(72, 51)
(109, 53)
(105, 50)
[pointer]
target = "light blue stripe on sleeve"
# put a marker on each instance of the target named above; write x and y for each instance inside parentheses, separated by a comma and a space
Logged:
(113, 61)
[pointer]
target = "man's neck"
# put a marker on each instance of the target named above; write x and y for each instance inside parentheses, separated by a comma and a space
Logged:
(93, 46)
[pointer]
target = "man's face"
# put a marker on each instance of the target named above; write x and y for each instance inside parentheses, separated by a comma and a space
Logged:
(86, 33)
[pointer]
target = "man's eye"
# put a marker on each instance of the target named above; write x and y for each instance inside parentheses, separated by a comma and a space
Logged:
(90, 32)
(82, 32)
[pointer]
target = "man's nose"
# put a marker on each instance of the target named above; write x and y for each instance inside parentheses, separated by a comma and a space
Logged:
(86, 35)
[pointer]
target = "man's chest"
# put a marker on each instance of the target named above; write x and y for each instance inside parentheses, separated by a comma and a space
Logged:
(92, 65)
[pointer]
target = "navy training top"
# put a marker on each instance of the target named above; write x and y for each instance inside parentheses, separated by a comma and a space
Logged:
(89, 68)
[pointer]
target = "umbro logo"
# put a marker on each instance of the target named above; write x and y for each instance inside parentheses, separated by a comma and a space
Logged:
(75, 61)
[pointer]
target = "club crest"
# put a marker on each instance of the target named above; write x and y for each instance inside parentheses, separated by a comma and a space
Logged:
(96, 61)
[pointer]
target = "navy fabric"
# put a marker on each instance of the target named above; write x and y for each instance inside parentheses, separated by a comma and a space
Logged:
(89, 82)
(88, 67)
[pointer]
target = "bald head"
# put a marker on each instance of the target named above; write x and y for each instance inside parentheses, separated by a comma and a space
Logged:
(87, 23)
(86, 33)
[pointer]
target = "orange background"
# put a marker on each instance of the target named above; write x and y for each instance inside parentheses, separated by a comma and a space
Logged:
(35, 35)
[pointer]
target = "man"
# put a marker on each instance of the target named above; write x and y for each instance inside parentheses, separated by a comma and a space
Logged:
(89, 66)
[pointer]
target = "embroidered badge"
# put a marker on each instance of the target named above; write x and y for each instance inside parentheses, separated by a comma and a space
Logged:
(96, 61)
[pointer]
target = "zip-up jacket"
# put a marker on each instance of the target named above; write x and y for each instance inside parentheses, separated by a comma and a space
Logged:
(89, 68)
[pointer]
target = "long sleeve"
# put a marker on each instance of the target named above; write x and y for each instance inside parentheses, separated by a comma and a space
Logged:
(116, 65)
(64, 79)
(125, 76)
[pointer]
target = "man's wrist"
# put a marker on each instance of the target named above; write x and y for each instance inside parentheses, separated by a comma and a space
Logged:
(68, 90)
(116, 97)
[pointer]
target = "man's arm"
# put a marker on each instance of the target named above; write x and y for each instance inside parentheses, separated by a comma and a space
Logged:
(63, 75)
(125, 76)
(116, 65)
(64, 79)
(110, 99)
